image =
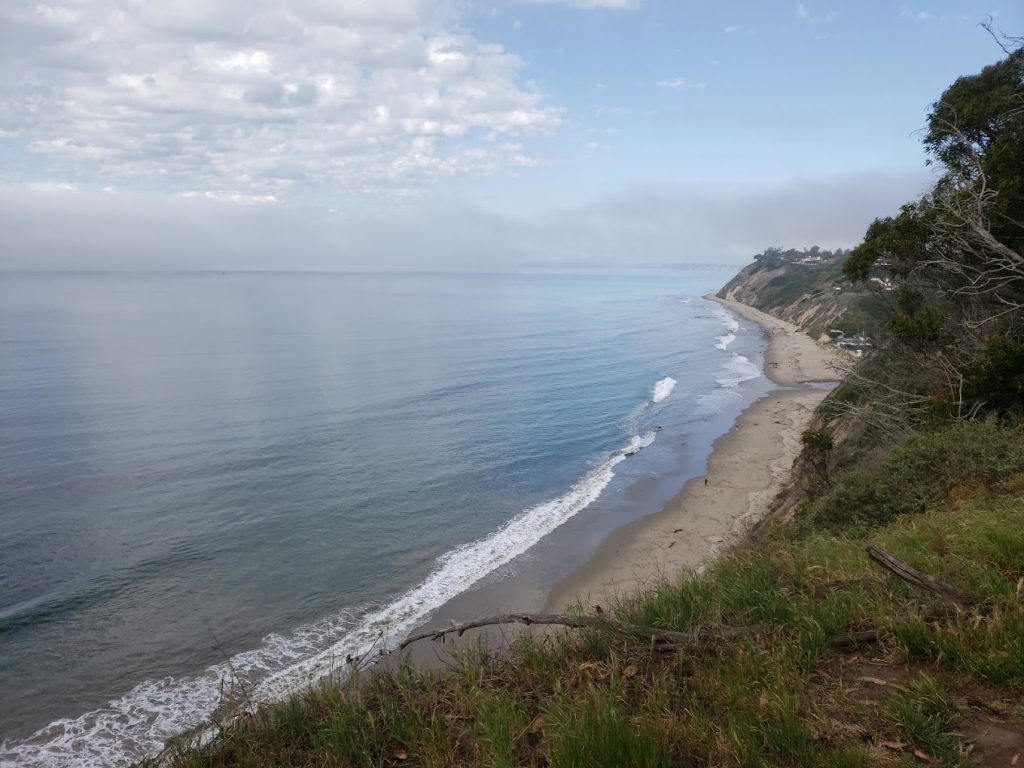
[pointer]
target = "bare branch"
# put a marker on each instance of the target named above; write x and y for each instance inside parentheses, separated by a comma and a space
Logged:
(654, 634)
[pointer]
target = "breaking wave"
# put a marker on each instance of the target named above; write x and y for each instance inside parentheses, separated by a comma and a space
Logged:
(663, 389)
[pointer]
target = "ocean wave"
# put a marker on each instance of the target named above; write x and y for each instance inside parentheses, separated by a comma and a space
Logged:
(737, 370)
(663, 389)
(728, 318)
(725, 341)
(731, 324)
(140, 723)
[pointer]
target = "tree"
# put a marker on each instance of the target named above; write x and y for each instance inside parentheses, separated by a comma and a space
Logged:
(958, 254)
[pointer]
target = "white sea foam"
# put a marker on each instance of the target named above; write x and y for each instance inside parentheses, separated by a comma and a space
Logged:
(736, 371)
(663, 389)
(731, 324)
(140, 722)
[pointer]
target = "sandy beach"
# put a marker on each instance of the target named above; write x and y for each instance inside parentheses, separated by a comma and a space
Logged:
(747, 468)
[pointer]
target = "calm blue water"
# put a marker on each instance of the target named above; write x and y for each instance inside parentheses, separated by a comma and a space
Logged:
(279, 468)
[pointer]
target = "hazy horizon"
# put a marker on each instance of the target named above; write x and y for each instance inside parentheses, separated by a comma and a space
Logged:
(440, 135)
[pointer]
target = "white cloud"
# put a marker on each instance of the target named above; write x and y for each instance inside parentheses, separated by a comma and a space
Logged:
(804, 14)
(587, 4)
(732, 28)
(681, 84)
(228, 197)
(924, 16)
(255, 98)
(51, 186)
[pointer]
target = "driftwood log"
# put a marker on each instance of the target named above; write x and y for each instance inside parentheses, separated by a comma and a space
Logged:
(920, 580)
(654, 634)
(675, 638)
(664, 637)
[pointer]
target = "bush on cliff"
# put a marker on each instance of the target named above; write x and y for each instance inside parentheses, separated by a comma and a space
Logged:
(917, 474)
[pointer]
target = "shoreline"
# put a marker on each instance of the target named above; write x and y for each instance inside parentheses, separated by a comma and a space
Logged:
(747, 468)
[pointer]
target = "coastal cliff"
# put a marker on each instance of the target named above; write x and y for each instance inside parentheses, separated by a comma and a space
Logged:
(808, 288)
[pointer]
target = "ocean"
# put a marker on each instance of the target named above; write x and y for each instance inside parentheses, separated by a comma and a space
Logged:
(216, 482)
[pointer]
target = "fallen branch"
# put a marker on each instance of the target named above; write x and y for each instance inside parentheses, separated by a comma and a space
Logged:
(667, 639)
(916, 578)
(655, 635)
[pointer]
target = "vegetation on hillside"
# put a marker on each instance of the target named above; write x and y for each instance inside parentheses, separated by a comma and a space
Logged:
(957, 255)
(809, 288)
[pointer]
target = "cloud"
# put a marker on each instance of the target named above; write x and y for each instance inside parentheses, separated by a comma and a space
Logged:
(257, 98)
(645, 225)
(51, 186)
(225, 197)
(732, 29)
(585, 4)
(924, 16)
(680, 84)
(804, 14)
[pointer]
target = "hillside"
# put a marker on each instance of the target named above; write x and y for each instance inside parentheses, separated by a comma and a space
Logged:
(808, 288)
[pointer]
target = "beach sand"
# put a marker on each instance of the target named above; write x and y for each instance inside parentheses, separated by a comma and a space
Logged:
(747, 468)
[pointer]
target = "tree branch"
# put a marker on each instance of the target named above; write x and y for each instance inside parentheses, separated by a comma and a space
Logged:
(672, 637)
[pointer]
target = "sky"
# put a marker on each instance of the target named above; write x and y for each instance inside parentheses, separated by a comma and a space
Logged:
(447, 134)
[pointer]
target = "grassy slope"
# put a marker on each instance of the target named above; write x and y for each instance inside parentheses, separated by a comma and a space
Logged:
(803, 294)
(932, 691)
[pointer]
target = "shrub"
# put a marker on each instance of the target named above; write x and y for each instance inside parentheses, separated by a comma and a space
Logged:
(917, 474)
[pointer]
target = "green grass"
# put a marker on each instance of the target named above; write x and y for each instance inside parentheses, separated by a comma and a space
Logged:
(927, 716)
(972, 457)
(782, 697)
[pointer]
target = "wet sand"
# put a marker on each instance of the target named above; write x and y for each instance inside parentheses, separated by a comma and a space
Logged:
(747, 468)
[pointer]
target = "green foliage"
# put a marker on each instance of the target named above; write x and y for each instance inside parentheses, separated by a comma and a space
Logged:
(898, 243)
(915, 322)
(818, 445)
(959, 251)
(817, 439)
(592, 731)
(927, 715)
(918, 474)
(996, 377)
(775, 255)
(808, 290)
(977, 128)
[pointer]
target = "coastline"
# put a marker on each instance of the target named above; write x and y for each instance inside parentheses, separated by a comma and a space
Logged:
(747, 468)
